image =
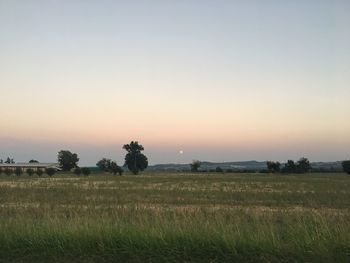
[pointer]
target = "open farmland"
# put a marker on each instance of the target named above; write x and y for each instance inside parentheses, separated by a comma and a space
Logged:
(159, 217)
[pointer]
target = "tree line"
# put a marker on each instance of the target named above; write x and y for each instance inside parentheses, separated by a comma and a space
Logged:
(135, 161)
(301, 166)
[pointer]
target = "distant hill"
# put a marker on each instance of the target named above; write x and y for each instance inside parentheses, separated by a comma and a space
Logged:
(242, 165)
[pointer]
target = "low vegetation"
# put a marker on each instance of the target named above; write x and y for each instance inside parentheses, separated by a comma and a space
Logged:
(346, 166)
(175, 217)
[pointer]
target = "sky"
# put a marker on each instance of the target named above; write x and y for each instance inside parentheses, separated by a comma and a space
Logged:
(188, 79)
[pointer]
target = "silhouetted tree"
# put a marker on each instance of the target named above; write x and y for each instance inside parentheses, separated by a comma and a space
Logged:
(67, 160)
(273, 167)
(303, 165)
(1, 161)
(77, 171)
(33, 161)
(50, 171)
(116, 169)
(289, 167)
(30, 171)
(104, 164)
(195, 165)
(134, 159)
(86, 171)
(110, 166)
(9, 160)
(346, 166)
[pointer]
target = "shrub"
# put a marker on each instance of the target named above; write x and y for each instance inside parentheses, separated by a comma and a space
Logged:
(8, 171)
(30, 171)
(50, 171)
(264, 171)
(86, 171)
(39, 172)
(219, 169)
(116, 169)
(77, 171)
(1, 170)
(346, 166)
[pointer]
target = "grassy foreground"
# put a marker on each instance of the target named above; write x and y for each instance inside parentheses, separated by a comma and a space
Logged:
(162, 217)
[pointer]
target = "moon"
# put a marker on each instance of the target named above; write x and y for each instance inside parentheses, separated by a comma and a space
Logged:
(181, 152)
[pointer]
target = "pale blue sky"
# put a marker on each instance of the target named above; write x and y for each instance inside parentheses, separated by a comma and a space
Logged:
(221, 80)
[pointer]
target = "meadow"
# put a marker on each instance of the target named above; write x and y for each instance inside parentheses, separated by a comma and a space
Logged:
(175, 217)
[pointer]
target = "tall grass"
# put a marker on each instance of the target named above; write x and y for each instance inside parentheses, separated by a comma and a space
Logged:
(175, 218)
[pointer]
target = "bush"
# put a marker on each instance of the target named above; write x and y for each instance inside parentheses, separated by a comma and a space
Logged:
(86, 171)
(1, 170)
(264, 171)
(39, 172)
(219, 169)
(116, 169)
(30, 171)
(50, 171)
(346, 166)
(8, 171)
(77, 171)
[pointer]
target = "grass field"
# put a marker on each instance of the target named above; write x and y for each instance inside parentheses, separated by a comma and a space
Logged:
(159, 217)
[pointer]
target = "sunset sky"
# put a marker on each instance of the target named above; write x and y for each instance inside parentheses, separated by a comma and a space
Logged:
(218, 80)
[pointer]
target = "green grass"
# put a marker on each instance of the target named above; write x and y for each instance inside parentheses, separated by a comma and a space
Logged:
(159, 217)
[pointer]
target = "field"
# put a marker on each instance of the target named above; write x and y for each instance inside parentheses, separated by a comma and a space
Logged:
(174, 217)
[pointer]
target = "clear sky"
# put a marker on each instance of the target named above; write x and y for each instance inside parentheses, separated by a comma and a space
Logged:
(220, 80)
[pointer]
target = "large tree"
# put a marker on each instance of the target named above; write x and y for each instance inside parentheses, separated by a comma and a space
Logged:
(134, 159)
(67, 160)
